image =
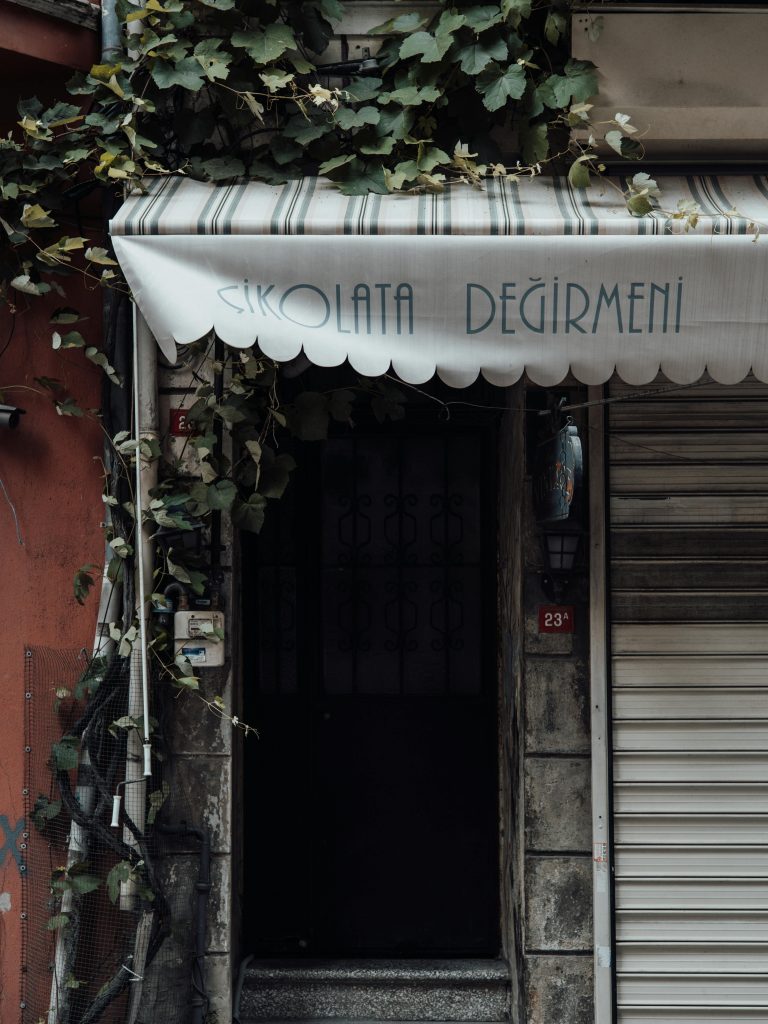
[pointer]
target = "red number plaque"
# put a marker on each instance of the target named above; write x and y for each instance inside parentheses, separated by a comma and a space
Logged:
(556, 618)
(180, 425)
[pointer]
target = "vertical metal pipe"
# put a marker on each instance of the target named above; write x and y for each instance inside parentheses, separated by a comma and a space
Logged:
(111, 41)
(202, 889)
(600, 720)
(110, 601)
(145, 392)
(138, 753)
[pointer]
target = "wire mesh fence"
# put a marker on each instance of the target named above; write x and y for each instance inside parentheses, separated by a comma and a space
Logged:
(110, 903)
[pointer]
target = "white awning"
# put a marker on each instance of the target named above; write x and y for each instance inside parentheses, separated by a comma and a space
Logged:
(530, 276)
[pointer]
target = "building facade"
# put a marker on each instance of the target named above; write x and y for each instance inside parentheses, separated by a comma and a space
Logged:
(489, 785)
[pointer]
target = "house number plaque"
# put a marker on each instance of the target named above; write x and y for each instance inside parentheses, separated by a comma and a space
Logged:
(556, 618)
(179, 424)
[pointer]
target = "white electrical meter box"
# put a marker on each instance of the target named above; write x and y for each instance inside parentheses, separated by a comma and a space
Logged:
(199, 637)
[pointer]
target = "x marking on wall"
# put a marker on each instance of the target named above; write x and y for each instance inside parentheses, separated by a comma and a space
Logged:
(11, 835)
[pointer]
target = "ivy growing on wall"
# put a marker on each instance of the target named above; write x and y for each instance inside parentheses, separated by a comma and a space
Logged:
(222, 91)
(219, 91)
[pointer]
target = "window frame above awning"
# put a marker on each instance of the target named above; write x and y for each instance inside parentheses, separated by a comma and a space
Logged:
(406, 282)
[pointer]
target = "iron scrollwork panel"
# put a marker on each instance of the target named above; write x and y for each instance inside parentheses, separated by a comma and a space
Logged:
(401, 566)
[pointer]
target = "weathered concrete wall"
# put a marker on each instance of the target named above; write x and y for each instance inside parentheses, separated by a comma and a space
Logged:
(201, 746)
(556, 866)
(200, 776)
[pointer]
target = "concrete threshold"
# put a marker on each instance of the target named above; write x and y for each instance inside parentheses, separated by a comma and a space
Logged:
(408, 991)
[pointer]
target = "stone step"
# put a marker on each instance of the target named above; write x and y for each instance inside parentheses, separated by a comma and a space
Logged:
(456, 991)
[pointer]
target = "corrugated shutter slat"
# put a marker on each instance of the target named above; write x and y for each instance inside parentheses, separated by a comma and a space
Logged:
(688, 485)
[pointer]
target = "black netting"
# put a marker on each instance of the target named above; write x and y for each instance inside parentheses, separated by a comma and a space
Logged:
(109, 913)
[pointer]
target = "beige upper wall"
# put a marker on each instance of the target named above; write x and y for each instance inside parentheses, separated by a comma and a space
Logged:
(692, 79)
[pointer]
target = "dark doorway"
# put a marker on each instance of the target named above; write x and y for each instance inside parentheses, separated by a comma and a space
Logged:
(370, 798)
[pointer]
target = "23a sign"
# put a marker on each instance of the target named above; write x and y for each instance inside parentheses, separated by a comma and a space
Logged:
(556, 618)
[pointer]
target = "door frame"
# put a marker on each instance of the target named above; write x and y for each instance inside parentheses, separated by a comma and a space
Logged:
(513, 474)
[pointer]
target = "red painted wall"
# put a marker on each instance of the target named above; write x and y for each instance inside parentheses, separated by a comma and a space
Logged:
(34, 36)
(49, 466)
(50, 469)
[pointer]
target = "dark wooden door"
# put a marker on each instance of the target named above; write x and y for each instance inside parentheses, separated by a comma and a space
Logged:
(369, 620)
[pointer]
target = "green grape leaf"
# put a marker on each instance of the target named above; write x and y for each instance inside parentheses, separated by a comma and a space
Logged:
(498, 84)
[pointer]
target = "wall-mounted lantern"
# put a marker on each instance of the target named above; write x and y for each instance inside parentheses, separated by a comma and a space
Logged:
(561, 550)
(557, 500)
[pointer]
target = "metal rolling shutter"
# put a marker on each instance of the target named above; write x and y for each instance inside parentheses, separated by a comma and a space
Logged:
(688, 486)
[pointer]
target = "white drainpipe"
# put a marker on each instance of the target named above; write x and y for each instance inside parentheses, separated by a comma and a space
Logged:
(138, 766)
(110, 601)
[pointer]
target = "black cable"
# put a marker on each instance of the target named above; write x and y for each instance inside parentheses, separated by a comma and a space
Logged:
(107, 702)
(10, 336)
(88, 822)
(108, 994)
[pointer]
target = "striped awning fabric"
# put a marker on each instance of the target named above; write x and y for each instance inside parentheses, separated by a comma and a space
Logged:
(539, 206)
(521, 276)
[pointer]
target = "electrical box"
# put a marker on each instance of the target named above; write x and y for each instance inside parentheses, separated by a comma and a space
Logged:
(199, 637)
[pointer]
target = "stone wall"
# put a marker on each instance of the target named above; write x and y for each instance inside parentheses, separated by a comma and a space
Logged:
(203, 749)
(556, 861)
